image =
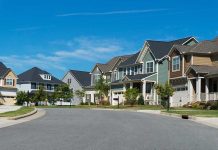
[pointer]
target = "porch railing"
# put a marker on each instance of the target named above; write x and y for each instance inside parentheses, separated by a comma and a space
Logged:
(213, 96)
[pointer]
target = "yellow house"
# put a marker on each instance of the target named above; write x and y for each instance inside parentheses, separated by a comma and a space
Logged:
(8, 81)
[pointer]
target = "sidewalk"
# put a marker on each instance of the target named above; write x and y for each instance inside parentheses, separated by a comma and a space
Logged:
(6, 108)
(4, 122)
(213, 122)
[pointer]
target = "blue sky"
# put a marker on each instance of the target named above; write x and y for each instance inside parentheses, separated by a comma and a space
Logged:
(75, 34)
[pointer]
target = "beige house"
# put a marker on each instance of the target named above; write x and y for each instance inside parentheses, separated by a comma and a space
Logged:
(8, 81)
(194, 69)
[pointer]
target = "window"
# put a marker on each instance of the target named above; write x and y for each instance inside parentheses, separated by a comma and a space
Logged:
(140, 69)
(88, 97)
(33, 86)
(48, 86)
(136, 70)
(128, 71)
(96, 77)
(9, 82)
(108, 78)
(69, 81)
(132, 70)
(176, 63)
(124, 71)
(148, 88)
(150, 66)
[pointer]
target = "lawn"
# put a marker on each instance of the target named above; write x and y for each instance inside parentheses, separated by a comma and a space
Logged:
(21, 111)
(194, 112)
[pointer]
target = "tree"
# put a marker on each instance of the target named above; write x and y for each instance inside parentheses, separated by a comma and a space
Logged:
(141, 100)
(131, 95)
(40, 95)
(102, 88)
(80, 94)
(63, 91)
(165, 92)
(22, 97)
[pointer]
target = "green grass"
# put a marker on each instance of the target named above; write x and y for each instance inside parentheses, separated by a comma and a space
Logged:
(21, 111)
(135, 107)
(195, 112)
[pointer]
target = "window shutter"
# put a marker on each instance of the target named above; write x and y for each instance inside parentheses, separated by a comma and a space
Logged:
(13, 82)
(5, 82)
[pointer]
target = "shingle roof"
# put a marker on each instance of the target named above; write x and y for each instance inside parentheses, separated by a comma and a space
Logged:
(33, 75)
(111, 63)
(3, 70)
(83, 77)
(204, 47)
(138, 76)
(204, 69)
(162, 48)
(158, 48)
(130, 60)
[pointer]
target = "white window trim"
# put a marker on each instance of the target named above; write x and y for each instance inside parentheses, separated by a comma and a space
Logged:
(12, 81)
(147, 66)
(172, 64)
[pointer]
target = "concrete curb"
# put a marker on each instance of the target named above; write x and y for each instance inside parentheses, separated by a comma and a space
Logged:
(23, 116)
(158, 112)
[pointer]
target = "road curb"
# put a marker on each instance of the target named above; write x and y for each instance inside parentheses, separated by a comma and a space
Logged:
(23, 116)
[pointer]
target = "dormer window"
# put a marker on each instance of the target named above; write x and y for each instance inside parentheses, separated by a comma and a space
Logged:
(46, 76)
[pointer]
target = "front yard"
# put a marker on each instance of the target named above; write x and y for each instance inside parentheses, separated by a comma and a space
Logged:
(195, 112)
(21, 111)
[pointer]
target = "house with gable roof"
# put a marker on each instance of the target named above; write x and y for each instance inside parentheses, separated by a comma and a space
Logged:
(8, 81)
(32, 79)
(144, 69)
(78, 80)
(194, 72)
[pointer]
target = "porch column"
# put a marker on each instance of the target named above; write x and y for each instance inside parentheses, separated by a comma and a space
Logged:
(131, 85)
(124, 90)
(206, 89)
(144, 89)
(198, 88)
(190, 90)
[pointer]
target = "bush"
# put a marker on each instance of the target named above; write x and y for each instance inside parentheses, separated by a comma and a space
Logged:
(104, 103)
(212, 105)
(141, 100)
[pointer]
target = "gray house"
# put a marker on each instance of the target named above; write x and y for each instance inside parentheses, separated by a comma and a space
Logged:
(78, 80)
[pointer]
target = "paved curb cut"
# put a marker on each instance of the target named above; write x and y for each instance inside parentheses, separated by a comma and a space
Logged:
(23, 116)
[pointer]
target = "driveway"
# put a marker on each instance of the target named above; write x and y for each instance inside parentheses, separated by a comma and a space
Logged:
(82, 129)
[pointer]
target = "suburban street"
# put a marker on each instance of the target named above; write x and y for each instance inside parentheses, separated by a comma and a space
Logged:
(83, 129)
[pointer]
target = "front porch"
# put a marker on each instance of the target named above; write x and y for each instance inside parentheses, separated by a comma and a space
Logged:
(203, 88)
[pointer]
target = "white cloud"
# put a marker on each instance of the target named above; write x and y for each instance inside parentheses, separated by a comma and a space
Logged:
(112, 12)
(88, 50)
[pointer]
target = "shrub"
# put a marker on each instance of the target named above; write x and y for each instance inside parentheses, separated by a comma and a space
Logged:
(141, 100)
(104, 103)
(131, 96)
(212, 105)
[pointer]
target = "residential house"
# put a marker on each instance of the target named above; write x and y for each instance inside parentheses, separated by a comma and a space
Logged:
(107, 71)
(8, 81)
(32, 79)
(144, 69)
(194, 72)
(78, 80)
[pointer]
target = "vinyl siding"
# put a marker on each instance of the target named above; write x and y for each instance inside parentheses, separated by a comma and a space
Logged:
(202, 60)
(148, 57)
(163, 72)
(174, 74)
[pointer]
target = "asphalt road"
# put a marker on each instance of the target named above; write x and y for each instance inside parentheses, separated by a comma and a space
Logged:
(80, 129)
